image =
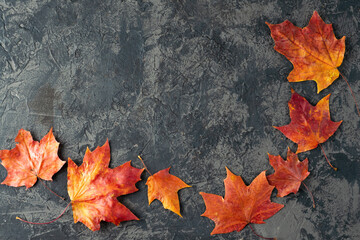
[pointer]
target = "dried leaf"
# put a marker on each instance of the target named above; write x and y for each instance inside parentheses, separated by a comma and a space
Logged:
(310, 125)
(314, 50)
(164, 187)
(242, 204)
(30, 160)
(94, 187)
(288, 174)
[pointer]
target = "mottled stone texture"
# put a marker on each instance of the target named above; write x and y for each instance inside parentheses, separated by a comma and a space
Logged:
(200, 82)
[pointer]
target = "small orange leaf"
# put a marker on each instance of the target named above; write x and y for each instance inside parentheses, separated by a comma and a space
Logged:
(30, 160)
(164, 187)
(310, 125)
(94, 187)
(288, 174)
(242, 204)
(314, 50)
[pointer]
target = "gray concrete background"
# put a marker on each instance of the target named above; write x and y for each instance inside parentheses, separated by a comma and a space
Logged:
(200, 81)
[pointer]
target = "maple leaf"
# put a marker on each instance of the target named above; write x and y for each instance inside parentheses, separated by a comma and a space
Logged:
(288, 174)
(94, 187)
(242, 204)
(30, 160)
(164, 187)
(310, 125)
(314, 51)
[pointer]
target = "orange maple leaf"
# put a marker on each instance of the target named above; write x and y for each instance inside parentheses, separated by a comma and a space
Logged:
(164, 187)
(310, 125)
(242, 204)
(94, 187)
(314, 50)
(288, 174)
(30, 160)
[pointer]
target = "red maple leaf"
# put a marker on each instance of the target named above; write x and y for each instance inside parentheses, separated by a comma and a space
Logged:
(310, 125)
(30, 160)
(94, 187)
(288, 174)
(242, 204)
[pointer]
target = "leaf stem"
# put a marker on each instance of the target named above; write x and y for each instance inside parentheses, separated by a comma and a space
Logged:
(50, 189)
(327, 158)
(144, 165)
(45, 222)
(260, 235)
(312, 197)
(352, 93)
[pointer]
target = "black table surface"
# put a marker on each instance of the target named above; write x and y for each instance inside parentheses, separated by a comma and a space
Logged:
(200, 82)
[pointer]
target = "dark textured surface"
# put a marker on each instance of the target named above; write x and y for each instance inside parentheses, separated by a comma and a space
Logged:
(200, 81)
